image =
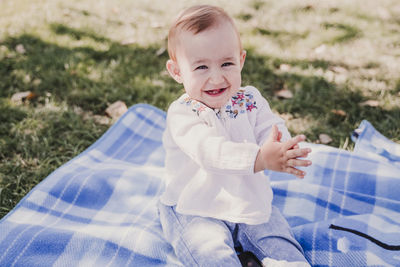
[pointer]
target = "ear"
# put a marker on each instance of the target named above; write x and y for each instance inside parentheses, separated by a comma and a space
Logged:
(174, 71)
(242, 58)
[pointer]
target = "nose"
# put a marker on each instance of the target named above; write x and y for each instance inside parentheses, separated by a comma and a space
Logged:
(216, 77)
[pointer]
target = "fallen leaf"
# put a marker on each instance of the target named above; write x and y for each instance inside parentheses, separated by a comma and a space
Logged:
(78, 110)
(20, 97)
(129, 41)
(156, 25)
(87, 115)
(115, 10)
(66, 12)
(320, 49)
(160, 51)
(116, 109)
(104, 120)
(285, 67)
(37, 81)
(370, 103)
(284, 93)
(334, 9)
(20, 49)
(325, 139)
(339, 112)
(308, 8)
(338, 69)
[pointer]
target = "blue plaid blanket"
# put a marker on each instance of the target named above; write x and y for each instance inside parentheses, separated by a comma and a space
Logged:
(99, 209)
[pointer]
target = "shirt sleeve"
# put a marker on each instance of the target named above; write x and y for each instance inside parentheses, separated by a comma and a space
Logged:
(201, 141)
(265, 118)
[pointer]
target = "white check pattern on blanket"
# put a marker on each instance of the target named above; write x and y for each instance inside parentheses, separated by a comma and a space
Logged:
(99, 209)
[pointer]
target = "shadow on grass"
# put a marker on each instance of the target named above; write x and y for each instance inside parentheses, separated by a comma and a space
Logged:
(34, 144)
(85, 76)
(282, 37)
(35, 140)
(345, 33)
(315, 98)
(348, 32)
(93, 78)
(61, 29)
(87, 13)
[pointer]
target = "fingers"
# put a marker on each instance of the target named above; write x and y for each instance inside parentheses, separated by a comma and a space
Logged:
(298, 162)
(298, 153)
(293, 161)
(296, 172)
(294, 141)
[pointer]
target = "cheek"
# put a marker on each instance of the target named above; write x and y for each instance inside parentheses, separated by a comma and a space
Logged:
(235, 77)
(195, 79)
(192, 84)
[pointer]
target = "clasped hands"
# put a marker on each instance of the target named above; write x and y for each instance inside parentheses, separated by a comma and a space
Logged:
(282, 157)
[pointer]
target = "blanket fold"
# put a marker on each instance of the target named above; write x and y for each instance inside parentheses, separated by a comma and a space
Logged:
(99, 209)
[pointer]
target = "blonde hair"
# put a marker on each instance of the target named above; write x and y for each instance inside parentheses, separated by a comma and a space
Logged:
(197, 19)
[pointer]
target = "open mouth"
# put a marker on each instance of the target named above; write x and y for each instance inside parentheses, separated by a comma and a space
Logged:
(215, 92)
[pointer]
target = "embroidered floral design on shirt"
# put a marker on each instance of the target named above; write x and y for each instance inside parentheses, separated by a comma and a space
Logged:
(196, 106)
(243, 101)
(240, 103)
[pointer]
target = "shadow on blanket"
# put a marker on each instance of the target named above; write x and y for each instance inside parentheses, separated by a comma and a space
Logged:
(100, 208)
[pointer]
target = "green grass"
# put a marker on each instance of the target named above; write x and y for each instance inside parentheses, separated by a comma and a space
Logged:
(78, 57)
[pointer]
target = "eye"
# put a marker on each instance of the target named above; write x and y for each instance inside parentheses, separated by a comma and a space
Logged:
(202, 67)
(226, 64)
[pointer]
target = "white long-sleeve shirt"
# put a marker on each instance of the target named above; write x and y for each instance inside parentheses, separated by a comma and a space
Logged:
(210, 156)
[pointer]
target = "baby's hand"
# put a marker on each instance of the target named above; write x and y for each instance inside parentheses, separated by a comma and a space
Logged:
(282, 157)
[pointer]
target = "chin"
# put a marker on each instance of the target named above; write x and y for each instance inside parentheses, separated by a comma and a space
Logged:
(222, 100)
(217, 104)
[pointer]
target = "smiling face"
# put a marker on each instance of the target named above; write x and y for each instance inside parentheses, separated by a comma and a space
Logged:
(209, 64)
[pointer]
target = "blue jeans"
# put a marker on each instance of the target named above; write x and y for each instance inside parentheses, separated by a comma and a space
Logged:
(202, 241)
